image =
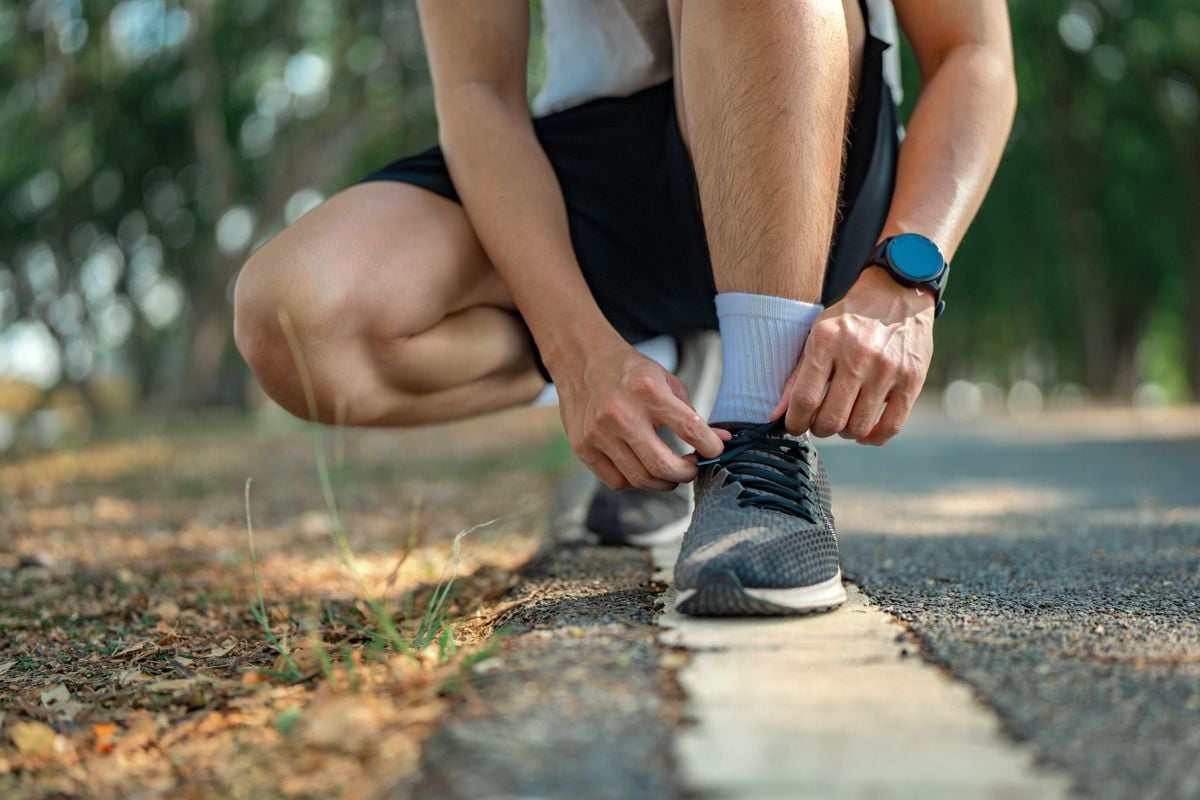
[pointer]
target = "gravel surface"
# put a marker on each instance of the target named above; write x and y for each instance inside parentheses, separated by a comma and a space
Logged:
(1058, 572)
(577, 704)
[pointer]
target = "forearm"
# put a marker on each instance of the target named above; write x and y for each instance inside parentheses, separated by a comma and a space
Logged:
(955, 139)
(514, 202)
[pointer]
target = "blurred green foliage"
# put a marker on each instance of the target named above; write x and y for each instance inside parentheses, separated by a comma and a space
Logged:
(149, 145)
(1084, 264)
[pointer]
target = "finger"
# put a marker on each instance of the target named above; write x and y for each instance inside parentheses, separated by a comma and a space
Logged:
(658, 459)
(835, 409)
(786, 397)
(604, 469)
(867, 409)
(899, 404)
(633, 469)
(808, 390)
(689, 426)
(680, 390)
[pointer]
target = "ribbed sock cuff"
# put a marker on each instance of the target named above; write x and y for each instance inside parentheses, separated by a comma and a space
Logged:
(761, 339)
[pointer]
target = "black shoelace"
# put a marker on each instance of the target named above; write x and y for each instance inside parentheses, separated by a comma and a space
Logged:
(771, 468)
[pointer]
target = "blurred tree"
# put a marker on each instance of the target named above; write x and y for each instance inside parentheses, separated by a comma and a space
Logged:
(1083, 248)
(1163, 51)
(150, 144)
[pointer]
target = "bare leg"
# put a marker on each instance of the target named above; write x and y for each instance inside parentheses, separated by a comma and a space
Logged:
(399, 316)
(764, 87)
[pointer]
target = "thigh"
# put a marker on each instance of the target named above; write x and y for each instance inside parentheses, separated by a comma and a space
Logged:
(383, 258)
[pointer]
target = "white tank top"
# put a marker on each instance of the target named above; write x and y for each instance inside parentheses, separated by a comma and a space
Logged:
(614, 48)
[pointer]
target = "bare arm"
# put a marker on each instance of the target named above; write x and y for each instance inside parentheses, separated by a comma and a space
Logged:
(867, 356)
(611, 398)
(477, 53)
(962, 118)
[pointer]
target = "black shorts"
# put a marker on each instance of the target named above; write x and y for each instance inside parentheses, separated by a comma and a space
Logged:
(634, 212)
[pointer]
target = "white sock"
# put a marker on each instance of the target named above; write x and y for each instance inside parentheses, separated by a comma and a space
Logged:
(761, 338)
(662, 350)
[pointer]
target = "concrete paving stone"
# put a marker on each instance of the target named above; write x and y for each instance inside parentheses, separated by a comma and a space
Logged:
(829, 706)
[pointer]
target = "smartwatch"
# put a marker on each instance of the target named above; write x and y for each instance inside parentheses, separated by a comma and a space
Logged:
(914, 260)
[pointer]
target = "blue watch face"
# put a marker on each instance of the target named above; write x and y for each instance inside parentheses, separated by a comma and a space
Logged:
(915, 257)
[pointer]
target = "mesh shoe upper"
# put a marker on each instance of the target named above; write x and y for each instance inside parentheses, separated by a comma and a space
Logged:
(617, 516)
(762, 513)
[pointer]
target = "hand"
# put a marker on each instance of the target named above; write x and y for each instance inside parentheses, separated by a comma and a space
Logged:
(872, 349)
(612, 400)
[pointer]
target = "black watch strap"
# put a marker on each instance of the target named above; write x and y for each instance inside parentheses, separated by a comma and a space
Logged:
(937, 285)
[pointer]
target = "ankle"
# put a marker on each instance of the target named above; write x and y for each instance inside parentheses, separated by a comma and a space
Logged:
(761, 339)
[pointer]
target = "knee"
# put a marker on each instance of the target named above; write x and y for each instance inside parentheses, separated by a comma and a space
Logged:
(259, 305)
(754, 10)
(809, 11)
(298, 323)
(817, 22)
(281, 324)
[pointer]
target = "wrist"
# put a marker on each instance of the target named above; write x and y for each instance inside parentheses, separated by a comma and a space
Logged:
(914, 262)
(570, 341)
(911, 301)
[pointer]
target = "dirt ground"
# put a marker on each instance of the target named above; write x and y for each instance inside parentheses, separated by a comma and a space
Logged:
(138, 662)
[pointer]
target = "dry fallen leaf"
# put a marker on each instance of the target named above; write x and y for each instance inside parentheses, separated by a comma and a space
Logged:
(54, 695)
(104, 733)
(32, 738)
(57, 698)
(111, 509)
(221, 650)
(133, 648)
(189, 692)
(142, 729)
(128, 676)
(167, 611)
(306, 657)
(6, 666)
(172, 685)
(341, 723)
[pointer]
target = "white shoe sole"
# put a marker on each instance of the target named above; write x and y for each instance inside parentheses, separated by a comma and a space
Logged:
(723, 595)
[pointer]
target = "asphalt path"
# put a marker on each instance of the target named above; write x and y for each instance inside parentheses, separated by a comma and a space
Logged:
(1054, 566)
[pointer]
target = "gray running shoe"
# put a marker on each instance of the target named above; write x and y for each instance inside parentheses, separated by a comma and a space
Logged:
(639, 517)
(761, 541)
(642, 518)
